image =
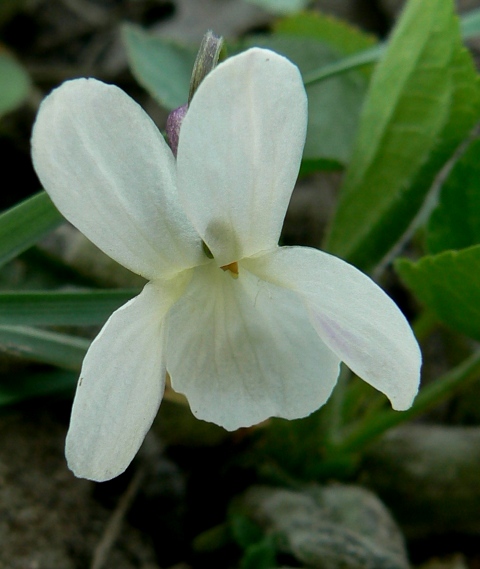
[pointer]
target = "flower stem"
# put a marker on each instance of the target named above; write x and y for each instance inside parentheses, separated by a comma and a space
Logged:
(438, 391)
(335, 409)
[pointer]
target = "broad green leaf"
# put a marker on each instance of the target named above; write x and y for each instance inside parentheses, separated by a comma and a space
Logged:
(469, 25)
(338, 34)
(334, 105)
(449, 285)
(311, 38)
(44, 346)
(455, 222)
(14, 83)
(162, 67)
(423, 100)
(24, 224)
(60, 308)
(18, 387)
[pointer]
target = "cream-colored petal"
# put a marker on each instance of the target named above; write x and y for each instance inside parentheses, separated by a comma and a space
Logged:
(352, 315)
(107, 168)
(243, 350)
(121, 385)
(239, 152)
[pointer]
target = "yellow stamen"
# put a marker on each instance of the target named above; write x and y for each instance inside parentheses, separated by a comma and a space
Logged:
(233, 268)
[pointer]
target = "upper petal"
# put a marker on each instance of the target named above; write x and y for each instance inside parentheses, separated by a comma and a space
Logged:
(239, 152)
(353, 316)
(109, 171)
(120, 387)
(243, 350)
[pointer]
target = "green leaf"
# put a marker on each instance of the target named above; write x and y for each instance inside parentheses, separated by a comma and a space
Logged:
(449, 285)
(24, 224)
(18, 387)
(360, 61)
(280, 6)
(470, 24)
(260, 555)
(213, 538)
(60, 308)
(338, 34)
(334, 106)
(44, 346)
(164, 68)
(423, 101)
(14, 83)
(310, 39)
(244, 530)
(455, 222)
(455, 380)
(159, 65)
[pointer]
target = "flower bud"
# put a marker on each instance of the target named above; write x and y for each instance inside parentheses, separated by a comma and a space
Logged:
(207, 59)
(174, 122)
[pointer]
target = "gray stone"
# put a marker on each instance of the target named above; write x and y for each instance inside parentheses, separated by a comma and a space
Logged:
(331, 527)
(429, 476)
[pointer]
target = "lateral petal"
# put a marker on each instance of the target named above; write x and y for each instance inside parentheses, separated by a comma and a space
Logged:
(120, 387)
(239, 152)
(109, 171)
(243, 350)
(355, 318)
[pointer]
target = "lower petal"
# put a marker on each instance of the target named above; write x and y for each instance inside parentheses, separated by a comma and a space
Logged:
(243, 350)
(353, 316)
(120, 387)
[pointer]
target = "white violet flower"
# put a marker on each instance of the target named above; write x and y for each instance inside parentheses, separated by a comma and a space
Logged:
(254, 332)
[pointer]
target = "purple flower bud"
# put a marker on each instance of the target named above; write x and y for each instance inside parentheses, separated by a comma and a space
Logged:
(174, 122)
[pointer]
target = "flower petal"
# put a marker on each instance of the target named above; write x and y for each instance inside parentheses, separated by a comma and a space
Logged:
(243, 350)
(353, 316)
(107, 168)
(120, 388)
(239, 152)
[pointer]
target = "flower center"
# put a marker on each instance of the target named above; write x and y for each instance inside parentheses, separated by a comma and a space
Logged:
(233, 268)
